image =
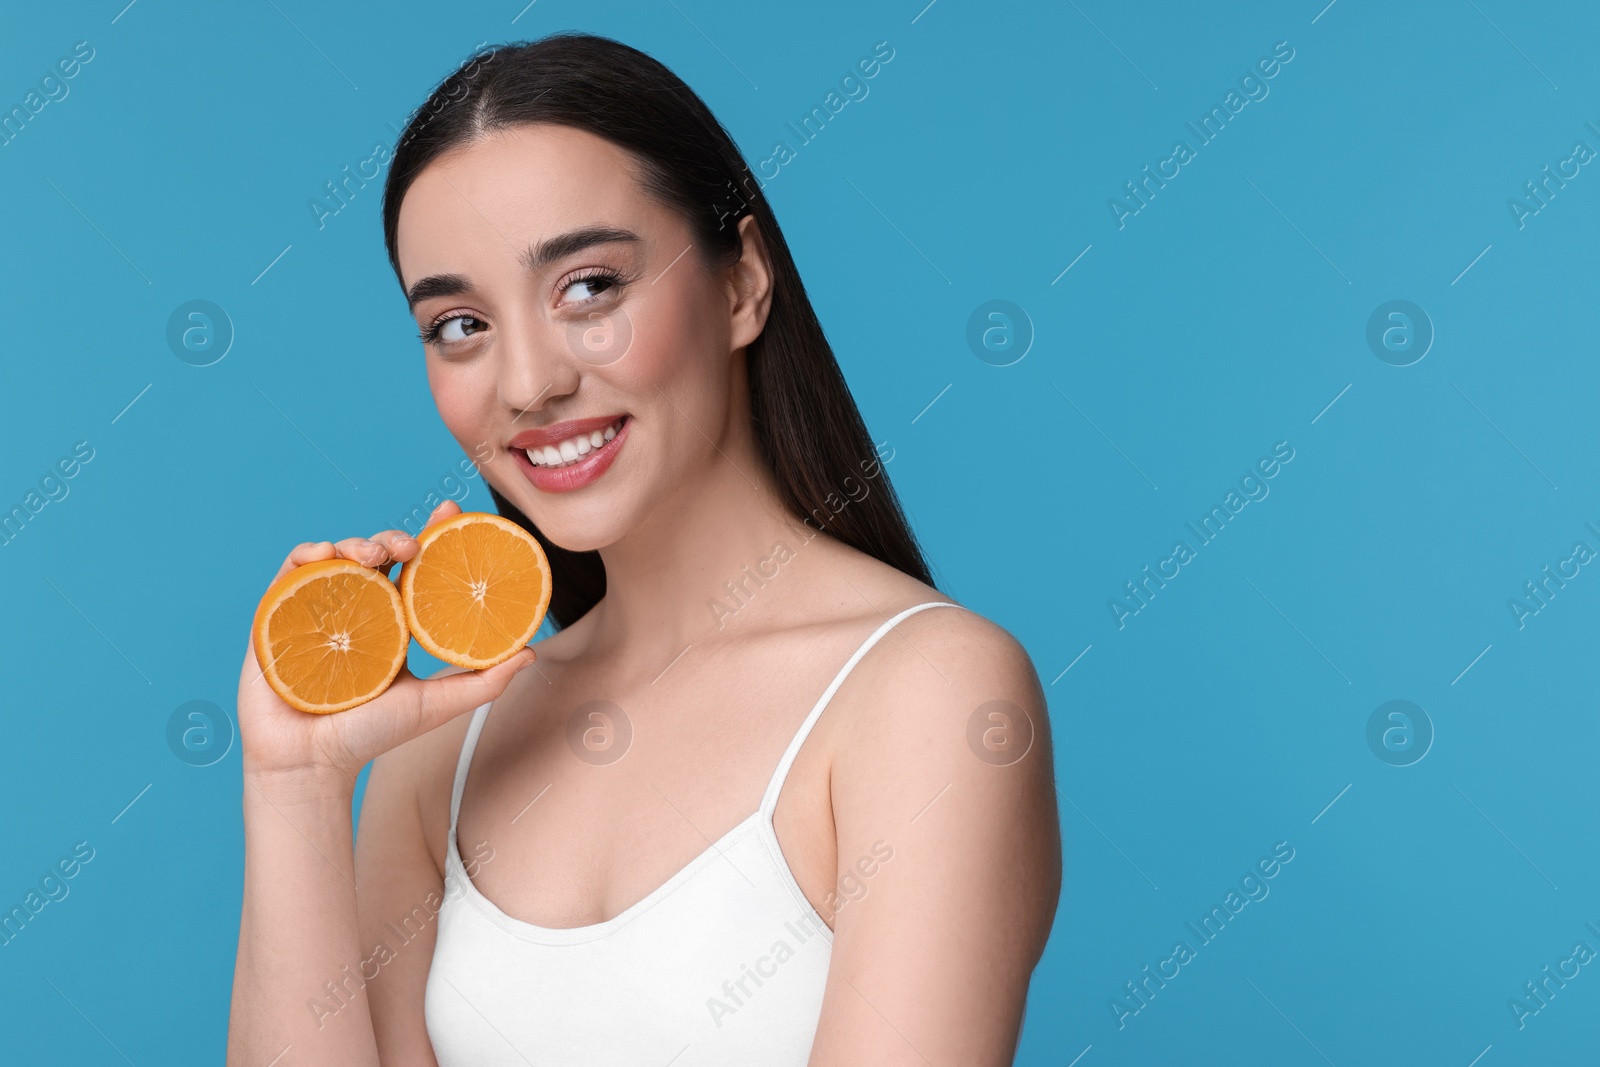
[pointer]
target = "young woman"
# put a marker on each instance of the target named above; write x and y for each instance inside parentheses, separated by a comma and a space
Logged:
(767, 797)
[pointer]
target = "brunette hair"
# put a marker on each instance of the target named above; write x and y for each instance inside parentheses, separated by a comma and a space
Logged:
(806, 423)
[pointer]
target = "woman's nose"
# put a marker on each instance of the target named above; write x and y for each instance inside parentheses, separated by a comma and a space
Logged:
(535, 365)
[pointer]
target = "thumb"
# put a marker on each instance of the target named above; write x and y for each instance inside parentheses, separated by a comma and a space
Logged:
(439, 700)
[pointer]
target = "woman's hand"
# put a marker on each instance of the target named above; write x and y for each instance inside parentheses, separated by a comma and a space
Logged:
(282, 743)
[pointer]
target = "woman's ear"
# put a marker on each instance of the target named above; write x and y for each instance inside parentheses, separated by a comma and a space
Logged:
(749, 286)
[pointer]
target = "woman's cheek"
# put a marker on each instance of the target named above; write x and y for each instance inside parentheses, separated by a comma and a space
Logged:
(660, 345)
(463, 399)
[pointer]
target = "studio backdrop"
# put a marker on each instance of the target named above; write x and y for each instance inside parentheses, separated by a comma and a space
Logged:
(1239, 359)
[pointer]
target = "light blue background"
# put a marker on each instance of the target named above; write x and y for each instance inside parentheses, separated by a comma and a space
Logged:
(1223, 318)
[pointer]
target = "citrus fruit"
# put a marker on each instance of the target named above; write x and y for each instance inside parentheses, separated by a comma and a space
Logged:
(477, 589)
(330, 635)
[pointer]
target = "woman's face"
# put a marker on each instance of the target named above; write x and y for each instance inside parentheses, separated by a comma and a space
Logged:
(572, 316)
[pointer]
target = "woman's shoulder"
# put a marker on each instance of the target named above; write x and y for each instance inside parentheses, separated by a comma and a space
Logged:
(934, 673)
(983, 650)
(944, 662)
(943, 745)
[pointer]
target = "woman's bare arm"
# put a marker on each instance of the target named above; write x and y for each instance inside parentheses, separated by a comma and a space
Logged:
(299, 926)
(402, 889)
(949, 851)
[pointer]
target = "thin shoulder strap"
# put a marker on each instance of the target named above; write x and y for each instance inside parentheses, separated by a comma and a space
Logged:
(769, 801)
(468, 744)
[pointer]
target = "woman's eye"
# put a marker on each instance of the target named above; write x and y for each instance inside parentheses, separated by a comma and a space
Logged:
(588, 288)
(454, 328)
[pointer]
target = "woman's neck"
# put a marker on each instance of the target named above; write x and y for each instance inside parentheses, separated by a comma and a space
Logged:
(709, 557)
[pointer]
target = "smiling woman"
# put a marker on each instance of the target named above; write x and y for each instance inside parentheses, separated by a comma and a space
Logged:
(633, 360)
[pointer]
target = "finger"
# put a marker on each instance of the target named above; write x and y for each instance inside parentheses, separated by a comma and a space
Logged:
(399, 545)
(364, 551)
(447, 509)
(306, 552)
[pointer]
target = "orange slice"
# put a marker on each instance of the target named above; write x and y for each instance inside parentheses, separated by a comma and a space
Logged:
(330, 635)
(477, 589)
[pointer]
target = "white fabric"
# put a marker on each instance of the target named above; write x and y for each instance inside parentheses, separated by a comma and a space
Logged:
(724, 964)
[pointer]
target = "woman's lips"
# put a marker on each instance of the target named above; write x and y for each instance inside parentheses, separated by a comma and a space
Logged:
(574, 475)
(561, 431)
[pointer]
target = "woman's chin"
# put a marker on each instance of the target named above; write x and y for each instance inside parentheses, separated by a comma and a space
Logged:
(581, 536)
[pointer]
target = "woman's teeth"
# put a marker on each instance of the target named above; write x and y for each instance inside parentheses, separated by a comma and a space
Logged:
(573, 448)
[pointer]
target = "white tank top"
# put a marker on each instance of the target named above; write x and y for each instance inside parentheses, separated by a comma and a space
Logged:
(723, 964)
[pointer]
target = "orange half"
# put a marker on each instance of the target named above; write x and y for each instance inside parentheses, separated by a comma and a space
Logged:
(477, 589)
(330, 635)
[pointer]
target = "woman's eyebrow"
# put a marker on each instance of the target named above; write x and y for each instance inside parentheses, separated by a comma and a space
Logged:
(437, 285)
(536, 259)
(559, 247)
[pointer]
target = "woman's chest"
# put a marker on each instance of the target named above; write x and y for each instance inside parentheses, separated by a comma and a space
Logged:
(579, 803)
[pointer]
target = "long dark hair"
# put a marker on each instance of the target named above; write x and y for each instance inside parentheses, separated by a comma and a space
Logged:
(806, 422)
